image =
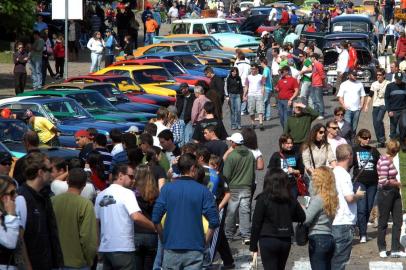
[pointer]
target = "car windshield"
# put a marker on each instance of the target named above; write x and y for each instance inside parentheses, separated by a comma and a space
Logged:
(354, 42)
(92, 101)
(219, 27)
(152, 76)
(12, 130)
(207, 45)
(173, 68)
(186, 61)
(63, 110)
(349, 26)
(126, 84)
(235, 28)
(187, 48)
(110, 92)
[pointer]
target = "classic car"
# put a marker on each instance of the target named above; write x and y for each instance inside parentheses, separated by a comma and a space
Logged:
(220, 61)
(180, 75)
(129, 87)
(65, 113)
(207, 44)
(218, 28)
(366, 61)
(187, 61)
(96, 104)
(109, 91)
(11, 138)
(155, 80)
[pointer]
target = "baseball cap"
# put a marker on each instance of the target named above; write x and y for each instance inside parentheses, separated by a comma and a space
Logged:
(132, 129)
(236, 138)
(108, 30)
(398, 76)
(82, 133)
(264, 33)
(183, 85)
(5, 156)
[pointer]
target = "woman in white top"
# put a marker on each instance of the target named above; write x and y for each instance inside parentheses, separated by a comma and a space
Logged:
(173, 13)
(390, 35)
(9, 223)
(96, 46)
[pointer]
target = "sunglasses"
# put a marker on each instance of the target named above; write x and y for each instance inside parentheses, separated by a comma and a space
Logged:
(11, 193)
(365, 138)
(335, 128)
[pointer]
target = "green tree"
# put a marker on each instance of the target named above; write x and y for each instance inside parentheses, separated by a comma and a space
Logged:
(17, 17)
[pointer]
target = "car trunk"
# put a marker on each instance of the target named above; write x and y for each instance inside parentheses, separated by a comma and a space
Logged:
(331, 56)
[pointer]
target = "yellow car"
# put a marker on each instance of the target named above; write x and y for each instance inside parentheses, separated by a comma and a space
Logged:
(215, 61)
(155, 80)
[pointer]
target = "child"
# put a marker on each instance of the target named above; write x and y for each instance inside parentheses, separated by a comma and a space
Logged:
(59, 55)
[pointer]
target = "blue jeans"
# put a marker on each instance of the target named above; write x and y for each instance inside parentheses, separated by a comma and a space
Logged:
(189, 129)
(240, 201)
(317, 98)
(364, 206)
(343, 235)
(182, 259)
(352, 117)
(244, 107)
(146, 245)
(36, 73)
(159, 256)
(235, 110)
(267, 105)
(378, 114)
(149, 38)
(96, 61)
(321, 250)
(284, 111)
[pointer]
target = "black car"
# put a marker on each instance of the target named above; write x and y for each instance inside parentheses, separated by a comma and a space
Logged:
(367, 63)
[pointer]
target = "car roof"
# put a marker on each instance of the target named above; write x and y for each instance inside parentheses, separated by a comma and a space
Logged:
(142, 61)
(98, 77)
(133, 67)
(33, 99)
(352, 17)
(63, 91)
(80, 85)
(204, 20)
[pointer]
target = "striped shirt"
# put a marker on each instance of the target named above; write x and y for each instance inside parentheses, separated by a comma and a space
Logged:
(386, 171)
(107, 158)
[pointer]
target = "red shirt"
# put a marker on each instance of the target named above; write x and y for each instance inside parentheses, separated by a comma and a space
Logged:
(318, 75)
(401, 48)
(59, 50)
(286, 87)
(284, 17)
(311, 29)
(353, 57)
(98, 183)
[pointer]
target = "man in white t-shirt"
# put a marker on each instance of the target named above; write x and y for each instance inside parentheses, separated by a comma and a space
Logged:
(116, 210)
(243, 65)
(332, 135)
(351, 96)
(346, 216)
(254, 93)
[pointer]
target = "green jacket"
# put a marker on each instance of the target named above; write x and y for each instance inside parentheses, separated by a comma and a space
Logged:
(298, 126)
(77, 225)
(239, 168)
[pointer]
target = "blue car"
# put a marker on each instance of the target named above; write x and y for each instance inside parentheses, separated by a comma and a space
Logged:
(11, 140)
(67, 115)
(188, 62)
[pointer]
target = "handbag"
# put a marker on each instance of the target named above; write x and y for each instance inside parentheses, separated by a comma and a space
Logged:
(302, 234)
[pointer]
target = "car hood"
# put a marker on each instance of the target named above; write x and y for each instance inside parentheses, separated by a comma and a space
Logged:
(221, 72)
(331, 56)
(147, 110)
(18, 150)
(236, 40)
(69, 127)
(117, 116)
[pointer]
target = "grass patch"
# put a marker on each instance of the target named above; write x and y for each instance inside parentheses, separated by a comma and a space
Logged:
(6, 57)
(402, 167)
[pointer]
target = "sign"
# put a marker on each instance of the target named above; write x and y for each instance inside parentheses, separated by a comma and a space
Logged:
(75, 9)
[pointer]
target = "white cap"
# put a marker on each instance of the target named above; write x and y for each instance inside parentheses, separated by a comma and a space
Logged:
(133, 129)
(264, 33)
(236, 138)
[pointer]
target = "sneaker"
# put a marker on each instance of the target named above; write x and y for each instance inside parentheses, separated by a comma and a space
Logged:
(233, 128)
(363, 239)
(320, 118)
(398, 254)
(239, 128)
(383, 254)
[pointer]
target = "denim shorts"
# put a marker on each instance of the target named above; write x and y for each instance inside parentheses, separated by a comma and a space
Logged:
(255, 104)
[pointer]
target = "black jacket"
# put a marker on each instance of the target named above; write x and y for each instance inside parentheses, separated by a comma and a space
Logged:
(180, 101)
(217, 83)
(41, 232)
(395, 97)
(234, 85)
(274, 218)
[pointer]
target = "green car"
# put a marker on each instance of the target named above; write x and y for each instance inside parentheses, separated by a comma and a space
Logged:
(96, 104)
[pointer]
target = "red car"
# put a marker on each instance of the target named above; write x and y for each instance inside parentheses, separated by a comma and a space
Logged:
(129, 87)
(180, 75)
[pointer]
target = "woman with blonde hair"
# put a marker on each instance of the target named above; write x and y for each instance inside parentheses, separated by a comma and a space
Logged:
(389, 201)
(320, 214)
(146, 241)
(176, 125)
(9, 223)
